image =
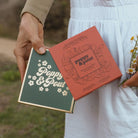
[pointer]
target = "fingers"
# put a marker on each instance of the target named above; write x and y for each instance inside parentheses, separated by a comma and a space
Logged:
(30, 35)
(132, 82)
(38, 45)
(21, 66)
(20, 62)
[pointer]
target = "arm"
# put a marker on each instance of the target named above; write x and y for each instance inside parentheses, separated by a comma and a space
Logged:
(31, 31)
(38, 8)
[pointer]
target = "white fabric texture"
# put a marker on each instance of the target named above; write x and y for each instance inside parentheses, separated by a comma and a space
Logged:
(110, 111)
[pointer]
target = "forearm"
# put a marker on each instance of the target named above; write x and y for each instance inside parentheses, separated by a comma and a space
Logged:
(38, 8)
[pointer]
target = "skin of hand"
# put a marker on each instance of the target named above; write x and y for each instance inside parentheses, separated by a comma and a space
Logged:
(30, 35)
(132, 82)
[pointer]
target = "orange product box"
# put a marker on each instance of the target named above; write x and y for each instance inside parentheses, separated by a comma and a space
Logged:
(85, 62)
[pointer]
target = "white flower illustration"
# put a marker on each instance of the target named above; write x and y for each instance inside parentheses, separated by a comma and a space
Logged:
(49, 66)
(67, 88)
(29, 76)
(44, 63)
(39, 60)
(46, 89)
(41, 89)
(59, 90)
(31, 83)
(34, 77)
(64, 93)
(39, 65)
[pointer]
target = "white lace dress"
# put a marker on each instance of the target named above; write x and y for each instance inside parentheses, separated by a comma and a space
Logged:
(110, 111)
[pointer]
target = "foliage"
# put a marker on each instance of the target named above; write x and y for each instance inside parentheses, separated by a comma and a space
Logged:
(133, 68)
(10, 75)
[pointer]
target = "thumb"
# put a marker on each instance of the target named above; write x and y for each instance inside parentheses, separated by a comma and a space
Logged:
(38, 45)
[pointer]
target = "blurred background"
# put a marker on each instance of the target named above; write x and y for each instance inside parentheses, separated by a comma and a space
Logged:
(17, 120)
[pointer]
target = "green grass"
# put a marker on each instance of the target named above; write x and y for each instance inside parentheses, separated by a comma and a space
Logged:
(24, 121)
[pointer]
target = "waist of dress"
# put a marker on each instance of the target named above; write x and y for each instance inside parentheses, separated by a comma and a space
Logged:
(128, 12)
(104, 3)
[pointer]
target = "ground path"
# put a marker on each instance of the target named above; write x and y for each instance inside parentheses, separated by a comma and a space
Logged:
(6, 49)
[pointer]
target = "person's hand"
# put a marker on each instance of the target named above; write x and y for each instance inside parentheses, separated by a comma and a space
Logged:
(30, 35)
(132, 82)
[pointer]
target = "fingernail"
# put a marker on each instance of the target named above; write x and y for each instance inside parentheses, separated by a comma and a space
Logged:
(42, 50)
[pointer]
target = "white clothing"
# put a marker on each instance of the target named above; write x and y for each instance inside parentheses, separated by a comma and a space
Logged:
(110, 111)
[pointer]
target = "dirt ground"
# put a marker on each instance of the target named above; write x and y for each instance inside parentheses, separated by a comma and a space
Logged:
(6, 49)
